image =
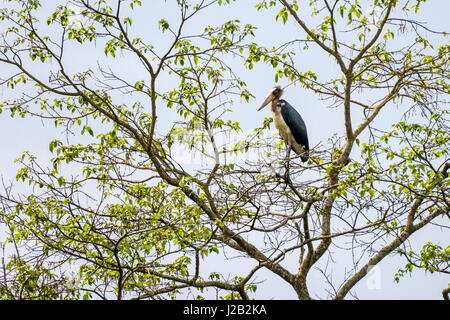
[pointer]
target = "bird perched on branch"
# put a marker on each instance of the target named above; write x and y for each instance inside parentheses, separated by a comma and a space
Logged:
(289, 123)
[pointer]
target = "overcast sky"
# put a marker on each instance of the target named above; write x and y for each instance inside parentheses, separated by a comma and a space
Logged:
(18, 135)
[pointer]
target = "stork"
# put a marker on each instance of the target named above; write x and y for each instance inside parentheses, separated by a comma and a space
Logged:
(289, 123)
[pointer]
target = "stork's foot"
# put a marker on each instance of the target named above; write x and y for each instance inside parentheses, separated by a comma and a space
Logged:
(288, 178)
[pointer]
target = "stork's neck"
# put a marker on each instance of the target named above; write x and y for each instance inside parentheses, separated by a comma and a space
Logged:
(274, 105)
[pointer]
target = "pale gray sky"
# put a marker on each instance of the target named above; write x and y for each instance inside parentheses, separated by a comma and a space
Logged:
(17, 135)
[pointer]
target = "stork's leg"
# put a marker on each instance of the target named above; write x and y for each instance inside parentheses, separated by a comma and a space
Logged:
(288, 160)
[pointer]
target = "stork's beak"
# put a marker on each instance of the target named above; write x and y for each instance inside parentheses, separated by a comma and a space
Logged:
(269, 99)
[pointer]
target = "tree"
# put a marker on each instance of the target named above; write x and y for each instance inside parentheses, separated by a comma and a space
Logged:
(117, 204)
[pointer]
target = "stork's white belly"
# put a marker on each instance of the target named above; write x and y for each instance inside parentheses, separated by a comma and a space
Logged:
(285, 132)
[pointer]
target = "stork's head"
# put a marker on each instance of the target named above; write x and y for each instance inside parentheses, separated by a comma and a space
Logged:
(274, 94)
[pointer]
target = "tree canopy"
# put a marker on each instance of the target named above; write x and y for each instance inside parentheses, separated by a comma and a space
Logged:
(121, 211)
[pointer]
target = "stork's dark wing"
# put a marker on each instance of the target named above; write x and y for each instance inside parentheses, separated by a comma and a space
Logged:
(295, 123)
